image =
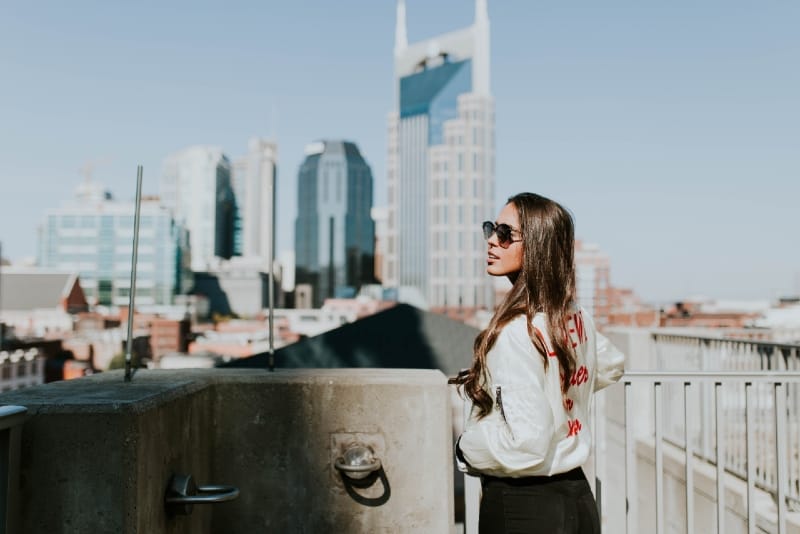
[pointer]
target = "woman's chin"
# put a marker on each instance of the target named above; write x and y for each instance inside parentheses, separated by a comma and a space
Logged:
(495, 270)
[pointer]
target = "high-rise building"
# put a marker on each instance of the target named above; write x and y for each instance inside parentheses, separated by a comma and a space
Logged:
(440, 165)
(380, 215)
(93, 236)
(592, 278)
(196, 186)
(254, 183)
(334, 233)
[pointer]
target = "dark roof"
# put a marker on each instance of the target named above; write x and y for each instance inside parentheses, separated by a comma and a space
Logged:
(25, 290)
(399, 337)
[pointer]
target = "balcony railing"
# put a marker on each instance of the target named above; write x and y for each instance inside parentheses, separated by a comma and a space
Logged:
(741, 423)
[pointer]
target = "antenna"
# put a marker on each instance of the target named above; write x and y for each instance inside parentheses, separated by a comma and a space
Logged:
(131, 297)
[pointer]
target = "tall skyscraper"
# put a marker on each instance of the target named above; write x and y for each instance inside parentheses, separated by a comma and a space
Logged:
(254, 183)
(93, 236)
(592, 278)
(440, 165)
(334, 233)
(196, 186)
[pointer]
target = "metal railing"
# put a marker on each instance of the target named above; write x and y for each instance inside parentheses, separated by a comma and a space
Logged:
(712, 355)
(740, 421)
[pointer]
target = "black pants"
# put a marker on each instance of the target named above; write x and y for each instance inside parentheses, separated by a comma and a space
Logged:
(560, 504)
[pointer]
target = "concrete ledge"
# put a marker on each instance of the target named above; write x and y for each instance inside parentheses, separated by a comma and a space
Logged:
(97, 452)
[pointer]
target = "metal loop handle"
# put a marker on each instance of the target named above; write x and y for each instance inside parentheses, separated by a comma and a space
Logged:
(206, 495)
(366, 468)
(183, 493)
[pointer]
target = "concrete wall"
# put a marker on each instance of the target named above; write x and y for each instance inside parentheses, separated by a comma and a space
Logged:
(97, 453)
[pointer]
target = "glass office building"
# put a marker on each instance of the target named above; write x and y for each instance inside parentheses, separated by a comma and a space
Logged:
(196, 186)
(254, 181)
(93, 236)
(334, 231)
(440, 165)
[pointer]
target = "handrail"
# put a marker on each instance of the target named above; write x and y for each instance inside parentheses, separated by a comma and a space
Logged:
(784, 346)
(714, 376)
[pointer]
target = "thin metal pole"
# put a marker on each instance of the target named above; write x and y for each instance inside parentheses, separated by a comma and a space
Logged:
(780, 452)
(720, 438)
(688, 427)
(630, 480)
(659, 452)
(271, 289)
(134, 258)
(750, 429)
(599, 434)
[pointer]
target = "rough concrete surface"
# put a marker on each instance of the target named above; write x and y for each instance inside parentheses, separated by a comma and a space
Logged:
(97, 453)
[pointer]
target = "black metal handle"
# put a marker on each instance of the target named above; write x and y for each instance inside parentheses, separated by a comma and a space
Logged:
(182, 494)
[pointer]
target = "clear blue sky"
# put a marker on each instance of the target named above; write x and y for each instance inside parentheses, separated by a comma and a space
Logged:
(670, 129)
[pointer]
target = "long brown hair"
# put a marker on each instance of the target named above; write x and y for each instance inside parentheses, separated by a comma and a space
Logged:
(545, 284)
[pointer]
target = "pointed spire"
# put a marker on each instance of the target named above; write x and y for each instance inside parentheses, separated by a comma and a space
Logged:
(480, 59)
(400, 37)
(481, 11)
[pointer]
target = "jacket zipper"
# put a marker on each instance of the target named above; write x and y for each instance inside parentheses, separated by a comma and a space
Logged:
(499, 401)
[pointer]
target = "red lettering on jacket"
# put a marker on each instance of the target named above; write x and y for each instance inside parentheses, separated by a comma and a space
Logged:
(580, 376)
(580, 329)
(545, 342)
(574, 427)
(577, 335)
(568, 403)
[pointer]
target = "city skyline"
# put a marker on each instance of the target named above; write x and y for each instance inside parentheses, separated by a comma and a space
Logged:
(671, 132)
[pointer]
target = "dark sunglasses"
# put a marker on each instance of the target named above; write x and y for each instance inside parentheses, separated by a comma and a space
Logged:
(503, 232)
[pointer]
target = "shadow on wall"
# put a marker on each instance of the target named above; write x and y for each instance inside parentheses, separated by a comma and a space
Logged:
(402, 337)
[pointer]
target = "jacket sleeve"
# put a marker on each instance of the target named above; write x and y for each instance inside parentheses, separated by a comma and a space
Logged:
(610, 363)
(516, 435)
(514, 439)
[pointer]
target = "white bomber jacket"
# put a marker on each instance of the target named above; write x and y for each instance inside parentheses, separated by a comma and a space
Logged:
(534, 429)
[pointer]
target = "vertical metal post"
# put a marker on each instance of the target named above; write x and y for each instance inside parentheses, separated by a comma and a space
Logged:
(598, 425)
(688, 425)
(780, 451)
(630, 480)
(749, 431)
(271, 288)
(659, 452)
(720, 457)
(472, 490)
(134, 258)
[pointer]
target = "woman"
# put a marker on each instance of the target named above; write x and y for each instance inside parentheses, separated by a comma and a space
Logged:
(535, 369)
